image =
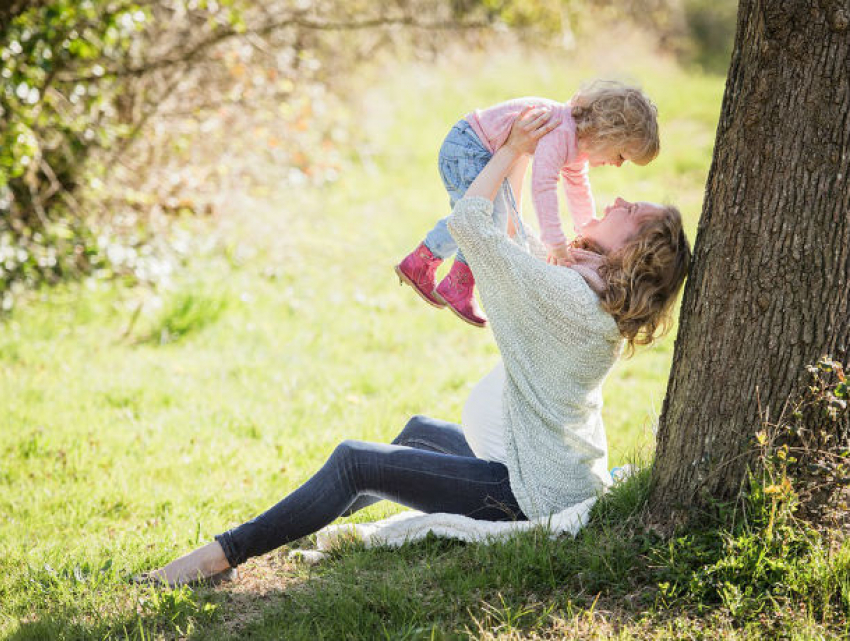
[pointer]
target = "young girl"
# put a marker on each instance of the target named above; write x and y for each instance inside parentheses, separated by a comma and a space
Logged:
(605, 123)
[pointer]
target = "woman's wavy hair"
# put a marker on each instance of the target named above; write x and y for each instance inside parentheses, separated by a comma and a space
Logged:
(612, 115)
(644, 276)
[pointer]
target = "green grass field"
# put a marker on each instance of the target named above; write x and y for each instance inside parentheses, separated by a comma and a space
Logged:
(125, 443)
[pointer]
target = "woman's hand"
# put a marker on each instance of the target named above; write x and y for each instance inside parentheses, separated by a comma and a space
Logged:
(529, 127)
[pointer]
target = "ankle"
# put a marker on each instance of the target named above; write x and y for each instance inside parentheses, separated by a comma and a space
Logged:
(203, 562)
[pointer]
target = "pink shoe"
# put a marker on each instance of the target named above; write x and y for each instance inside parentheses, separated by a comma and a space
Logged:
(457, 290)
(419, 270)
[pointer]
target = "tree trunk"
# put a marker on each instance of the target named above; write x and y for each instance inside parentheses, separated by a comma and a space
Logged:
(769, 289)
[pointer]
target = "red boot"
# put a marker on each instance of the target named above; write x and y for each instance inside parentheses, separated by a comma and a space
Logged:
(457, 290)
(419, 270)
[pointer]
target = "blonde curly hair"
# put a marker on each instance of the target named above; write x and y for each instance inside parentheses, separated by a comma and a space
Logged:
(643, 277)
(610, 115)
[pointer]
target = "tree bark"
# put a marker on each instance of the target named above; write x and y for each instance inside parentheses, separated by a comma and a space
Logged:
(769, 288)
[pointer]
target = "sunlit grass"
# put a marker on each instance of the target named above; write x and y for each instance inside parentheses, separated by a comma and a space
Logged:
(137, 425)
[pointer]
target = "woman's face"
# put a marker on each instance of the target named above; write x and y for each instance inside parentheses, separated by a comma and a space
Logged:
(620, 222)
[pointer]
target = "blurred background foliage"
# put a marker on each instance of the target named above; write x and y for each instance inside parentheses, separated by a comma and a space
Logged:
(119, 117)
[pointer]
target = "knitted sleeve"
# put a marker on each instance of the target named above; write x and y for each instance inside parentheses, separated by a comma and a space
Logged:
(514, 284)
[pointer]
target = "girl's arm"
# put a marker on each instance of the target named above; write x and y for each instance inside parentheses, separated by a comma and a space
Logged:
(550, 156)
(580, 200)
(576, 184)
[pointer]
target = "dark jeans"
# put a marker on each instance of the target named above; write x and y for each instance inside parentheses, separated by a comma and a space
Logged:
(429, 467)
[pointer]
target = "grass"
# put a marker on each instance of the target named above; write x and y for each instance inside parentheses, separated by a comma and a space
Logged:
(140, 423)
(186, 312)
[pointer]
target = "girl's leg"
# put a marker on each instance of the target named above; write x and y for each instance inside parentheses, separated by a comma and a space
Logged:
(461, 159)
(457, 289)
(439, 241)
(423, 433)
(423, 480)
(419, 268)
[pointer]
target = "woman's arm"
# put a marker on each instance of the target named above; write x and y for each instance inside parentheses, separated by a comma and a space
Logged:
(528, 128)
(488, 182)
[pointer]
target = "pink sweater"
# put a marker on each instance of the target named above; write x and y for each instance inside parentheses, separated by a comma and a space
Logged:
(556, 155)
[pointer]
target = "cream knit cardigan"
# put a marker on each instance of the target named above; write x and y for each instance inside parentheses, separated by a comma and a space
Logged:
(557, 345)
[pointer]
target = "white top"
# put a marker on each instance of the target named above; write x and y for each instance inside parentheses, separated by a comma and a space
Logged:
(483, 417)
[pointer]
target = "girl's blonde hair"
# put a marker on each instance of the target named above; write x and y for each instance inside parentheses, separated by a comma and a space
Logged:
(643, 277)
(612, 115)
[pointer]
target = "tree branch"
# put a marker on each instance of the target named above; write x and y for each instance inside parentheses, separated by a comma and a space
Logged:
(264, 30)
(130, 138)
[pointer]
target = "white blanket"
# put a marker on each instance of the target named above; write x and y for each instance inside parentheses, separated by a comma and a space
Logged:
(413, 526)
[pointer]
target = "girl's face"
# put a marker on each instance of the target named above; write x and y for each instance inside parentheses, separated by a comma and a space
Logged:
(620, 222)
(601, 155)
(606, 156)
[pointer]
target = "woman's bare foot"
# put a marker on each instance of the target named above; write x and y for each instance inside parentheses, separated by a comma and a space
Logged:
(204, 563)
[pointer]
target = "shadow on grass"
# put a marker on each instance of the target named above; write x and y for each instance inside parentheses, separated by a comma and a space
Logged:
(432, 589)
(159, 614)
(607, 581)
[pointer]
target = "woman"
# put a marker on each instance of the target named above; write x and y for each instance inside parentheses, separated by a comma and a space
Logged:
(533, 442)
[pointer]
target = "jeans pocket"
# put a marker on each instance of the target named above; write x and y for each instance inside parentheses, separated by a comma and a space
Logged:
(459, 172)
(471, 166)
(451, 175)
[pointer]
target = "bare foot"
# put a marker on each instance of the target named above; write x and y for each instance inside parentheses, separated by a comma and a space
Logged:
(199, 564)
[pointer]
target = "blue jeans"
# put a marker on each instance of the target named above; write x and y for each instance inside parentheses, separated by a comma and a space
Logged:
(429, 467)
(462, 157)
